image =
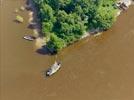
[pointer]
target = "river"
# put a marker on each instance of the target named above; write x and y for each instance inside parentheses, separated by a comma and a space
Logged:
(96, 68)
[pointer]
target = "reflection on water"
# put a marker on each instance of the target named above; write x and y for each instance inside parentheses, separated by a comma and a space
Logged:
(99, 68)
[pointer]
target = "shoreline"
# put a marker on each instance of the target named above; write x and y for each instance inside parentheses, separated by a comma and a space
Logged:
(33, 22)
(98, 33)
(41, 41)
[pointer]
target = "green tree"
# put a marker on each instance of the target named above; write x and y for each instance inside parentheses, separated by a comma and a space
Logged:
(55, 44)
(46, 12)
(65, 21)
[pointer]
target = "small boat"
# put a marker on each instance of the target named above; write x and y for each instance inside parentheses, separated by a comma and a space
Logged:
(123, 4)
(53, 69)
(30, 38)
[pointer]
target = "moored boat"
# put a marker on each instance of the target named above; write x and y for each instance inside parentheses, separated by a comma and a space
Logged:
(124, 4)
(53, 69)
(30, 38)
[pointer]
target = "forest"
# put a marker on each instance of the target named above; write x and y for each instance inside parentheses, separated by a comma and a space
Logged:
(66, 21)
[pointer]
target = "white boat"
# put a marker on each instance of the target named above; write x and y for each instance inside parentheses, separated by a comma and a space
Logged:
(30, 38)
(124, 4)
(53, 69)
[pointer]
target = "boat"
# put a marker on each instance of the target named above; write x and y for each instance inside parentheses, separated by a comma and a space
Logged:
(30, 38)
(123, 4)
(53, 69)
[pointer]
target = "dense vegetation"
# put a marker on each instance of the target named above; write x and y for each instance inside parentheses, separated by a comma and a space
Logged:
(66, 21)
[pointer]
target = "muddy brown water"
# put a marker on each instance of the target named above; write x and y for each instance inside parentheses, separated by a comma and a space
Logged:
(96, 68)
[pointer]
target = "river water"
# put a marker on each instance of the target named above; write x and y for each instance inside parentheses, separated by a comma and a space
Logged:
(96, 68)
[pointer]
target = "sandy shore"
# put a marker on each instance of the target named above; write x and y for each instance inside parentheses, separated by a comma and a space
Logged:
(35, 24)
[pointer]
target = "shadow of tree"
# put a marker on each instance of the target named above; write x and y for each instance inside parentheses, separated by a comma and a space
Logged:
(43, 51)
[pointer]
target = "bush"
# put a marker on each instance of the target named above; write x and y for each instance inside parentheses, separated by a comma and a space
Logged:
(55, 44)
(69, 19)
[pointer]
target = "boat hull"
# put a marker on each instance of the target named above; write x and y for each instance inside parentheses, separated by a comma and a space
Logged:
(53, 69)
(29, 38)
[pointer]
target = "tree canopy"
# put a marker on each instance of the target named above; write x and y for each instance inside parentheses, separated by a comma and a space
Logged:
(66, 20)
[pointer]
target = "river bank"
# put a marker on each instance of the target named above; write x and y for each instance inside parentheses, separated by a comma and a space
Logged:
(35, 24)
(41, 40)
(97, 32)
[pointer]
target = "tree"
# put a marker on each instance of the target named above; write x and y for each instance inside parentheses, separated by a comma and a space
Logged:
(65, 21)
(55, 44)
(46, 12)
(105, 15)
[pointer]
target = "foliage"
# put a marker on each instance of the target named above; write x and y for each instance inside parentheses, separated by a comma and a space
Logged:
(55, 43)
(69, 19)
